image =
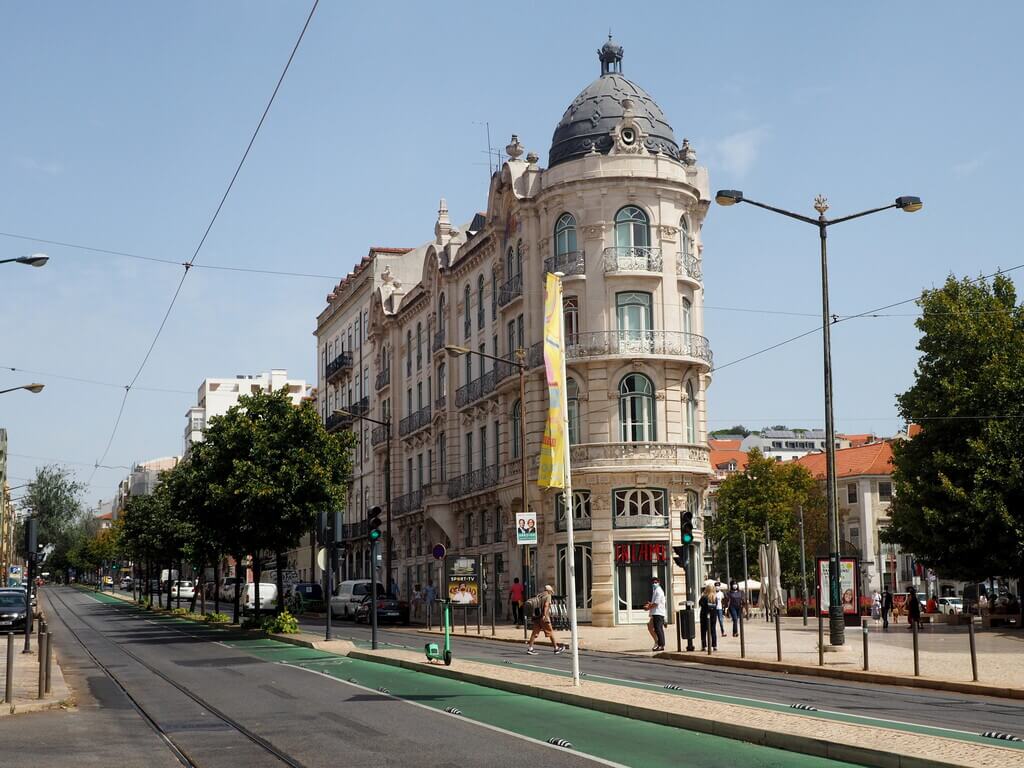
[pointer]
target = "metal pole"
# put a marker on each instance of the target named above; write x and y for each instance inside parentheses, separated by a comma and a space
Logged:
(864, 624)
(778, 635)
(728, 573)
(49, 659)
(974, 653)
(328, 588)
(9, 682)
(803, 563)
(743, 643)
(836, 629)
(821, 629)
(373, 592)
(29, 618)
(494, 597)
(528, 585)
(917, 661)
(42, 667)
(746, 573)
(387, 506)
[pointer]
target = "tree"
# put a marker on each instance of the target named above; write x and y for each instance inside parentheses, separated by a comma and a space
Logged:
(53, 499)
(271, 468)
(738, 429)
(771, 492)
(959, 483)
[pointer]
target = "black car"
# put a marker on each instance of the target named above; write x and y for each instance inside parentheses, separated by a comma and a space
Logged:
(387, 610)
(307, 596)
(12, 611)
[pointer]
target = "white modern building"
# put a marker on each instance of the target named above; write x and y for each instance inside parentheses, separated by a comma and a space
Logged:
(788, 444)
(141, 481)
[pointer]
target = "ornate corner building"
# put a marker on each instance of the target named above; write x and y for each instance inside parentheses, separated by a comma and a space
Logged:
(618, 212)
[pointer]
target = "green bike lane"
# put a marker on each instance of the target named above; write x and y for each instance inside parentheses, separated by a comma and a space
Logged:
(612, 738)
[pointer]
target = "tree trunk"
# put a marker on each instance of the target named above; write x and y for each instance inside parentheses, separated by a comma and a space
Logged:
(280, 584)
(239, 582)
(170, 581)
(216, 584)
(197, 589)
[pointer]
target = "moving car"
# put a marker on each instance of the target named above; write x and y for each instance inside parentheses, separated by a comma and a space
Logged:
(387, 609)
(12, 611)
(183, 589)
(126, 583)
(228, 586)
(949, 605)
(268, 597)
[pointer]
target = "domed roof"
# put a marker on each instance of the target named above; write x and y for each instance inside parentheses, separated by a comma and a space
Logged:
(587, 124)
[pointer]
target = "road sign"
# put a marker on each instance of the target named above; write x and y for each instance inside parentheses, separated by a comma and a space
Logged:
(439, 551)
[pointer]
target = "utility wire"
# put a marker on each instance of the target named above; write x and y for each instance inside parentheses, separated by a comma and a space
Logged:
(209, 227)
(91, 381)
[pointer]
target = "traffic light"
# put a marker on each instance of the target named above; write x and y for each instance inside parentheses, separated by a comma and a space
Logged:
(374, 524)
(682, 555)
(687, 528)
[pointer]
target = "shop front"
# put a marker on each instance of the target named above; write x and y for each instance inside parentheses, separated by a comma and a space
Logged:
(636, 563)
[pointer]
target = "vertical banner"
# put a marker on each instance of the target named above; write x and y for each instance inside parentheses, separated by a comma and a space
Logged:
(462, 579)
(553, 446)
(848, 587)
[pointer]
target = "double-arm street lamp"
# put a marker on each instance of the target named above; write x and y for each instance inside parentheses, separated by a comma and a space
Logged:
(35, 260)
(35, 389)
(387, 484)
(907, 204)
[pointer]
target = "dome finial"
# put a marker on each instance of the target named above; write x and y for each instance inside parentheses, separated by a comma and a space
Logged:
(610, 55)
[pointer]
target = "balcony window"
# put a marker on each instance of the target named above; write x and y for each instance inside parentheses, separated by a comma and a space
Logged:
(467, 323)
(571, 319)
(517, 425)
(691, 414)
(419, 346)
(442, 380)
(685, 246)
(640, 508)
(580, 511)
(572, 399)
(684, 308)
(494, 296)
(469, 529)
(408, 353)
(636, 409)
(565, 235)
(635, 321)
(480, 312)
(632, 229)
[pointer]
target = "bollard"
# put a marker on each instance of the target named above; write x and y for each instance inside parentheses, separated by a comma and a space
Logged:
(49, 659)
(778, 635)
(41, 651)
(465, 620)
(679, 631)
(9, 682)
(430, 616)
(821, 631)
(917, 663)
(974, 653)
(864, 623)
(743, 644)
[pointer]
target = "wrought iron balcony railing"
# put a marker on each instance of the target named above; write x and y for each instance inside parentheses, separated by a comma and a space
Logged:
(383, 378)
(688, 265)
(510, 289)
(632, 258)
(571, 263)
(409, 502)
(438, 343)
(414, 421)
(669, 343)
(476, 389)
(339, 365)
(441, 403)
(379, 434)
(471, 482)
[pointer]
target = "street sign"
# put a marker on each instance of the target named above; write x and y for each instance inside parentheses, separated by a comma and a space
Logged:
(439, 551)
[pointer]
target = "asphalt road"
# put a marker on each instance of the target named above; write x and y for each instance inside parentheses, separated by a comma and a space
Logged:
(205, 688)
(889, 704)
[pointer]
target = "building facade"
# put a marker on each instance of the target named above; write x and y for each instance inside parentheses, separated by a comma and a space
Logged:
(789, 444)
(618, 212)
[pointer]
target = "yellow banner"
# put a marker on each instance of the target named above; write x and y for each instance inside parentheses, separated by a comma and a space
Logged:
(553, 447)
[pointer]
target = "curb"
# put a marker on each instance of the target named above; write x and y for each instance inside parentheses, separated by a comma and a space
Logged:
(494, 639)
(34, 706)
(855, 675)
(817, 747)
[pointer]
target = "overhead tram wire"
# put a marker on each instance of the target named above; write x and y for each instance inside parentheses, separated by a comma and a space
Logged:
(209, 227)
(97, 382)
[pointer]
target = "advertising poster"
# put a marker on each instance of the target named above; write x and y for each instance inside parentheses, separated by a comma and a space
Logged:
(526, 528)
(847, 584)
(462, 579)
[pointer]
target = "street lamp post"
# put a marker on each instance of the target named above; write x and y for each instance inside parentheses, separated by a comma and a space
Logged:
(35, 389)
(907, 204)
(35, 260)
(387, 486)
(454, 350)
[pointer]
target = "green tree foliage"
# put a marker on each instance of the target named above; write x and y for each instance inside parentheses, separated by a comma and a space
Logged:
(773, 492)
(738, 429)
(53, 498)
(959, 483)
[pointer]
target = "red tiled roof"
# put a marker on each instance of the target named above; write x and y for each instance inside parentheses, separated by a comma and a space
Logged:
(913, 430)
(857, 440)
(871, 459)
(105, 516)
(724, 445)
(721, 457)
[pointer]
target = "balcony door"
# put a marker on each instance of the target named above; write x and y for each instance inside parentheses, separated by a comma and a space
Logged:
(635, 322)
(584, 578)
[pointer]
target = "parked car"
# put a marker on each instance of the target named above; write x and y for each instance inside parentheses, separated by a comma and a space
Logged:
(387, 610)
(12, 610)
(949, 605)
(307, 596)
(20, 591)
(268, 597)
(350, 594)
(183, 589)
(126, 583)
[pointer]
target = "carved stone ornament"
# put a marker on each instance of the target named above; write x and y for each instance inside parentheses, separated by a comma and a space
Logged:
(668, 232)
(532, 158)
(593, 230)
(514, 149)
(386, 276)
(687, 153)
(628, 137)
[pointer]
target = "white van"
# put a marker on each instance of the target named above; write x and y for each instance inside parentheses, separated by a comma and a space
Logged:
(350, 594)
(268, 597)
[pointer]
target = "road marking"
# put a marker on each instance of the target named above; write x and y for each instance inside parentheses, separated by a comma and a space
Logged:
(462, 718)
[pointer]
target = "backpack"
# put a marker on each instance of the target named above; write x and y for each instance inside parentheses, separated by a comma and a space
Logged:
(533, 605)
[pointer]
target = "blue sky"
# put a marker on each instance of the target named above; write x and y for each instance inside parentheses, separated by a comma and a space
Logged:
(122, 123)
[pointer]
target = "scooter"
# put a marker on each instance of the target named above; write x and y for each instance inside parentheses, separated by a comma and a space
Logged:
(433, 651)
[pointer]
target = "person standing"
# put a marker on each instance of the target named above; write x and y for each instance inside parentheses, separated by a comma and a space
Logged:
(886, 607)
(656, 607)
(429, 596)
(708, 616)
(735, 598)
(913, 609)
(720, 607)
(541, 608)
(417, 601)
(515, 597)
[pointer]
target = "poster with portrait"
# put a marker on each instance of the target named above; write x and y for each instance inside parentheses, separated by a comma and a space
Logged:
(847, 584)
(462, 579)
(526, 528)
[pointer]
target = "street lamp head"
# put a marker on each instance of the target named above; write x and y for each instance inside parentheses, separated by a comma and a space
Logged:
(35, 389)
(909, 203)
(454, 350)
(35, 260)
(728, 196)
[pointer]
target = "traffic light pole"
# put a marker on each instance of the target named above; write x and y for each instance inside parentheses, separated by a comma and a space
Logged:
(373, 593)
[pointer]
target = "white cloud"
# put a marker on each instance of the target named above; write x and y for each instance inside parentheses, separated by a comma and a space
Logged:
(968, 167)
(738, 152)
(47, 167)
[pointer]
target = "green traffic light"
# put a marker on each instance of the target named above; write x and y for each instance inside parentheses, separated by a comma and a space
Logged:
(374, 535)
(687, 538)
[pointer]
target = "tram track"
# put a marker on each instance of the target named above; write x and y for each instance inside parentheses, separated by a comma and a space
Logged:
(179, 751)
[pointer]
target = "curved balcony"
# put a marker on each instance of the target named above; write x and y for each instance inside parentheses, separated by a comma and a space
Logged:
(689, 267)
(338, 365)
(414, 422)
(657, 457)
(471, 482)
(409, 502)
(569, 264)
(632, 258)
(632, 343)
(509, 290)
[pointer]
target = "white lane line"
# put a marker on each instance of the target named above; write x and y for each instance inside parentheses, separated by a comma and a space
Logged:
(464, 719)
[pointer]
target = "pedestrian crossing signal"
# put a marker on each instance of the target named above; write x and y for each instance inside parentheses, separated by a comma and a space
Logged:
(687, 528)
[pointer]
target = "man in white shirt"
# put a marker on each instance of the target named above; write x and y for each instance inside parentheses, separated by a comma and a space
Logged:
(658, 613)
(720, 608)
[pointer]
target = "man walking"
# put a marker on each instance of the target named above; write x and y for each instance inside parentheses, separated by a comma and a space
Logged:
(540, 606)
(658, 613)
(886, 607)
(720, 608)
(515, 597)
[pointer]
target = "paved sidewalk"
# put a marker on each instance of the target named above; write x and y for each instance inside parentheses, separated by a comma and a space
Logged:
(26, 680)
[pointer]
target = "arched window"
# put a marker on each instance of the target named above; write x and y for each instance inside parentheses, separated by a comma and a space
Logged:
(494, 297)
(510, 263)
(685, 307)
(408, 353)
(565, 235)
(640, 508)
(684, 238)
(519, 257)
(517, 425)
(632, 228)
(571, 319)
(635, 321)
(467, 324)
(442, 380)
(691, 414)
(419, 346)
(480, 302)
(636, 409)
(572, 399)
